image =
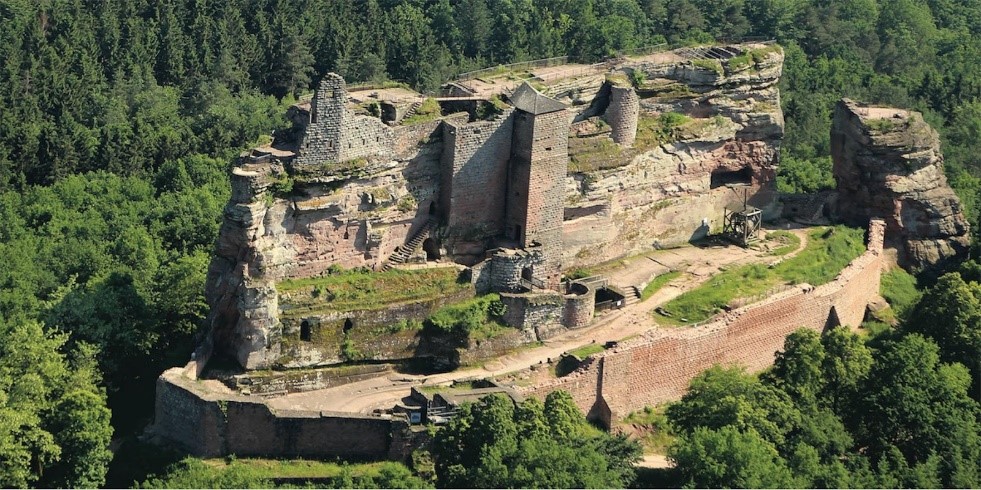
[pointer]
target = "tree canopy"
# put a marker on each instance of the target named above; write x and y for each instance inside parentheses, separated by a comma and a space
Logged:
(494, 443)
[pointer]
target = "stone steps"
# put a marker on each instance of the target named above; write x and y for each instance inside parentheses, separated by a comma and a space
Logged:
(409, 113)
(404, 252)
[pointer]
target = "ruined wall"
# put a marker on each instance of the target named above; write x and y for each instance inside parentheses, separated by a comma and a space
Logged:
(659, 366)
(539, 312)
(580, 305)
(622, 114)
(212, 425)
(335, 134)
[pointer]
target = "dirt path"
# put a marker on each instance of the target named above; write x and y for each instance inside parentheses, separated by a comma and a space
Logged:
(698, 264)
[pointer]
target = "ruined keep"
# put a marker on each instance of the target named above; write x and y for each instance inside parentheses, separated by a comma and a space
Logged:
(513, 186)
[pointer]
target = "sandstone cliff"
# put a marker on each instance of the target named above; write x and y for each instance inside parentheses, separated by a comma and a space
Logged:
(709, 135)
(659, 146)
(888, 164)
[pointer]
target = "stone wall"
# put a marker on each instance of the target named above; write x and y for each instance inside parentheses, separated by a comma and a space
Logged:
(335, 134)
(658, 367)
(475, 161)
(580, 305)
(537, 187)
(622, 113)
(211, 425)
(539, 312)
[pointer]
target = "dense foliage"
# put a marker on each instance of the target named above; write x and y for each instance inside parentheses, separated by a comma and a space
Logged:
(495, 444)
(833, 412)
(118, 119)
(251, 473)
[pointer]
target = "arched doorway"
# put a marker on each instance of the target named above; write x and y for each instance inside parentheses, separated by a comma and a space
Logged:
(432, 208)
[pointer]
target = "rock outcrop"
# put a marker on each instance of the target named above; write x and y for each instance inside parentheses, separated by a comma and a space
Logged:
(888, 164)
(659, 146)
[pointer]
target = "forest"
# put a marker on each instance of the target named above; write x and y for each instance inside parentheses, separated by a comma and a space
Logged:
(119, 120)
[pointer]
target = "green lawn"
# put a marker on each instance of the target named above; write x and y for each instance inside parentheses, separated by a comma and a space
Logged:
(586, 350)
(657, 283)
(828, 251)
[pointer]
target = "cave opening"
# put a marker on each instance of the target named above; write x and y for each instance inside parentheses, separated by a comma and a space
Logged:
(305, 331)
(348, 325)
(431, 248)
(722, 177)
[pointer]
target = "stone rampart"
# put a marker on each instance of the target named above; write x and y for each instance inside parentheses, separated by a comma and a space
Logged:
(658, 367)
(208, 424)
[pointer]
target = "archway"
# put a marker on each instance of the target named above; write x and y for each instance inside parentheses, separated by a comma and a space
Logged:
(305, 331)
(432, 208)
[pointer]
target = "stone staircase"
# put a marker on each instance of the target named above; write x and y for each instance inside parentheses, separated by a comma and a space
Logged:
(631, 296)
(409, 113)
(404, 251)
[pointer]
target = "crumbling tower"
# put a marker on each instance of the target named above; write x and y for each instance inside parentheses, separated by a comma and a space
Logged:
(622, 114)
(335, 133)
(536, 181)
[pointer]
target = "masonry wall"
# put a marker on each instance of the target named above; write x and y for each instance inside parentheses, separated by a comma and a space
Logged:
(580, 305)
(335, 134)
(536, 189)
(210, 425)
(658, 368)
(475, 158)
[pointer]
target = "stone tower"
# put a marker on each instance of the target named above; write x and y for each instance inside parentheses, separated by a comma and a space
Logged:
(536, 180)
(622, 114)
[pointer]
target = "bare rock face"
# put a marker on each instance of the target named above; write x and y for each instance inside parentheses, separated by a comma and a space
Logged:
(888, 164)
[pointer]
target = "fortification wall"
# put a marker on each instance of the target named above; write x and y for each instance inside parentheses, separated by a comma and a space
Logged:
(658, 367)
(475, 160)
(211, 425)
(580, 305)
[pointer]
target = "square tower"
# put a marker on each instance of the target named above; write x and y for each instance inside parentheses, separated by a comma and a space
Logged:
(536, 180)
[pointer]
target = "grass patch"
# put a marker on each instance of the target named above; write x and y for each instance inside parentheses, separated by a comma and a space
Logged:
(899, 289)
(654, 131)
(710, 65)
(788, 242)
(657, 283)
(595, 153)
(429, 110)
(656, 429)
(586, 350)
(881, 125)
(360, 289)
(477, 319)
(828, 251)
